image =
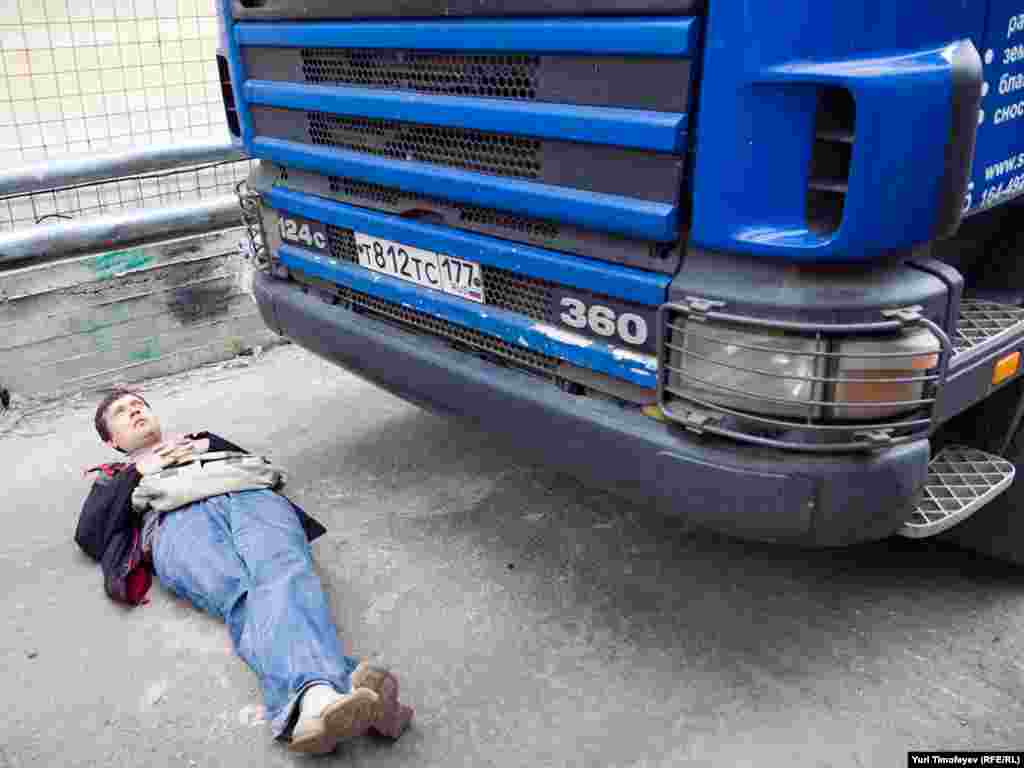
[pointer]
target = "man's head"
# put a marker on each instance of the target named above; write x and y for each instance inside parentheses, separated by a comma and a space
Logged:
(125, 422)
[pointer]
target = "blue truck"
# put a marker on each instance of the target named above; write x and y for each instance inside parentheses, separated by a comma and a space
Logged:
(760, 264)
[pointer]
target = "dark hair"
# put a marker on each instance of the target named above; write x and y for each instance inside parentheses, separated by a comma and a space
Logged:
(101, 410)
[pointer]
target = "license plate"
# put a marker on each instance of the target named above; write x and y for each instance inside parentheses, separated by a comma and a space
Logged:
(458, 277)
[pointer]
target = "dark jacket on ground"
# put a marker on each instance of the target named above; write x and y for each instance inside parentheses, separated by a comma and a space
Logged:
(110, 531)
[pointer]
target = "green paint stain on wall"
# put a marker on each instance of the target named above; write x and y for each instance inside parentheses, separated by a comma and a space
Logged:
(103, 339)
(149, 350)
(107, 265)
(99, 319)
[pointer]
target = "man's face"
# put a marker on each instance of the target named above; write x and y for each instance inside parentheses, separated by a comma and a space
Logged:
(132, 424)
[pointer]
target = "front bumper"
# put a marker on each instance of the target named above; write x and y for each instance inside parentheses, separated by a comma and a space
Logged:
(747, 491)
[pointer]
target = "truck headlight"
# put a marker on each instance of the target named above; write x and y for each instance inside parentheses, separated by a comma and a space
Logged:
(764, 372)
(799, 376)
(886, 375)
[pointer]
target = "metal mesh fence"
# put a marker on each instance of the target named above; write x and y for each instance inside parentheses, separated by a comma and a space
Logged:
(152, 190)
(85, 76)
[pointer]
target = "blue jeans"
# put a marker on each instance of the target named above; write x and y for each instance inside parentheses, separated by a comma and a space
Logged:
(244, 557)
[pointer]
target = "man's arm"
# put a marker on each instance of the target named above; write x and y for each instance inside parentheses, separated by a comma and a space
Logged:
(108, 508)
(314, 529)
(106, 511)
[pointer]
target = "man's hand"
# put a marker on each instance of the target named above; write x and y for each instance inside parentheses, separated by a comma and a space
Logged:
(164, 456)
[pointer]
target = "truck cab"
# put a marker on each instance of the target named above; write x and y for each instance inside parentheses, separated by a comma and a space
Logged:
(750, 263)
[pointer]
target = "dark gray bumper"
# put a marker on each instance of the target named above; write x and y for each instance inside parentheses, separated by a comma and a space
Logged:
(750, 492)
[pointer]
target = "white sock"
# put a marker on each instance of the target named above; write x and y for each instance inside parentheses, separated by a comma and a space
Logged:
(315, 699)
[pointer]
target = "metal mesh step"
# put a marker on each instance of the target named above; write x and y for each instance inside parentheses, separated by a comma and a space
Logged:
(960, 482)
(983, 320)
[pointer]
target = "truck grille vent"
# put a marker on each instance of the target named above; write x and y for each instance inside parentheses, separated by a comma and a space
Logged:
(342, 244)
(228, 96)
(496, 153)
(830, 160)
(468, 336)
(470, 216)
(364, 190)
(488, 76)
(487, 217)
(530, 296)
(411, 319)
(526, 295)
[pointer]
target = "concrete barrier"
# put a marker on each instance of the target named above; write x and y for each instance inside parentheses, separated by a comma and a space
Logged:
(127, 315)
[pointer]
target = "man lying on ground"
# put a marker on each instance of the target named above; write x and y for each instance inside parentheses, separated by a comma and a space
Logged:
(204, 516)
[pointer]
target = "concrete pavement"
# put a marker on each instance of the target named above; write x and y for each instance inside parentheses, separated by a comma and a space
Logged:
(534, 622)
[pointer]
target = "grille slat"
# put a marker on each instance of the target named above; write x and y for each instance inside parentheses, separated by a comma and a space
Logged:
(499, 223)
(429, 11)
(482, 75)
(496, 153)
(469, 215)
(505, 152)
(657, 83)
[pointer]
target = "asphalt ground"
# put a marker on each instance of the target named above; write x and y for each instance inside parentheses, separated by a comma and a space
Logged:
(533, 621)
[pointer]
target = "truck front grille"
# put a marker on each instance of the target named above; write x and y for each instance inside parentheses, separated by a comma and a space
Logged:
(486, 75)
(497, 153)
(657, 83)
(602, 168)
(503, 224)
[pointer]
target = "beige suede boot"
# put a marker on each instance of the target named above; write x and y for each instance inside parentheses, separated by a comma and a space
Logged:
(327, 717)
(390, 717)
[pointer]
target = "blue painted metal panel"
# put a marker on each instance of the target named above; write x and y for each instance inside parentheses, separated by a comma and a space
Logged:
(999, 156)
(634, 36)
(641, 129)
(508, 326)
(592, 210)
(622, 282)
(764, 64)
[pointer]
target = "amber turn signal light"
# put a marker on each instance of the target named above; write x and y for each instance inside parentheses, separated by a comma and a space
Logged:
(1005, 367)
